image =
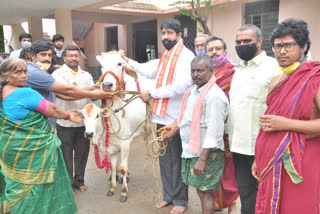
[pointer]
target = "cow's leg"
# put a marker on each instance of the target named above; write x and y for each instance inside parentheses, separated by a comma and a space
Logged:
(113, 160)
(125, 147)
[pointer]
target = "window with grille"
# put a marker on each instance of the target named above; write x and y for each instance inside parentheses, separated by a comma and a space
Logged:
(112, 38)
(256, 20)
(151, 52)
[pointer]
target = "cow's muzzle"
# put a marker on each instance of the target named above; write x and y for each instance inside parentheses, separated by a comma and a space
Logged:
(88, 134)
(106, 85)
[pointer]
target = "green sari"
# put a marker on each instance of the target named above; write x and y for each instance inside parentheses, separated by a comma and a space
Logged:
(33, 175)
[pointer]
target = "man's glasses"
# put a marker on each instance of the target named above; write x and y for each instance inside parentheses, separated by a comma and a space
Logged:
(287, 46)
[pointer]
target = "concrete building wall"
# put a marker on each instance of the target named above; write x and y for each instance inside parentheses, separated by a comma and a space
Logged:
(309, 11)
(224, 22)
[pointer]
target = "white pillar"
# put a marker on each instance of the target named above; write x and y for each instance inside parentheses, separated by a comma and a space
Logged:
(64, 24)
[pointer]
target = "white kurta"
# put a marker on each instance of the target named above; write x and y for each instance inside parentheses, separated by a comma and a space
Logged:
(182, 81)
(248, 95)
(81, 79)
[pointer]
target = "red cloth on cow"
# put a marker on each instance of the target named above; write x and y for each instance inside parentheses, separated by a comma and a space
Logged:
(283, 153)
(228, 191)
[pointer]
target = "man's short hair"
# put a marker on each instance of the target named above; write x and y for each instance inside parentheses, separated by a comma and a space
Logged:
(71, 48)
(24, 35)
(173, 24)
(213, 38)
(254, 28)
(40, 45)
(201, 36)
(206, 59)
(297, 28)
(57, 37)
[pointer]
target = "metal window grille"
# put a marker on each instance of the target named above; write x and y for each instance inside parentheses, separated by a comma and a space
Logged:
(189, 31)
(112, 38)
(256, 20)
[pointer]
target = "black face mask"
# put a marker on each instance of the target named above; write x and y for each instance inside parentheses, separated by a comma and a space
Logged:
(247, 52)
(168, 44)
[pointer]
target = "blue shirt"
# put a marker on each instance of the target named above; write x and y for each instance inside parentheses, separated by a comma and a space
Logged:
(41, 81)
(18, 104)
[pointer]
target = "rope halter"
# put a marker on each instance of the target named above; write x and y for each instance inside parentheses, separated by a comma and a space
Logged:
(120, 82)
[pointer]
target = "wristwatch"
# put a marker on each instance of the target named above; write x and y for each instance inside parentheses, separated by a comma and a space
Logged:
(150, 95)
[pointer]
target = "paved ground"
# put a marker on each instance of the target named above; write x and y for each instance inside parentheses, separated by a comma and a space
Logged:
(142, 195)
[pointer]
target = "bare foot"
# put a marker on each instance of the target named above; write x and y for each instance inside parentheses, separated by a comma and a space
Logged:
(83, 188)
(162, 204)
(178, 209)
(232, 209)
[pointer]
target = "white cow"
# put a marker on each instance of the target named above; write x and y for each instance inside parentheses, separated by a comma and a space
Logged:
(135, 112)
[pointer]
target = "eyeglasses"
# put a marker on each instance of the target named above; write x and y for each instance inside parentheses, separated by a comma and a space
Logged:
(72, 56)
(287, 47)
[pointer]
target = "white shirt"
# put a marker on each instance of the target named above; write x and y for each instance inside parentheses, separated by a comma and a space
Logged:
(15, 54)
(81, 79)
(182, 81)
(213, 115)
(248, 94)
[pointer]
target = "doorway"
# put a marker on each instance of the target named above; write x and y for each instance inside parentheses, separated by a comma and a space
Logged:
(145, 45)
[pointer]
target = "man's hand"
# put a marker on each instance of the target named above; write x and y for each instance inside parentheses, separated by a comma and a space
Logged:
(166, 129)
(199, 167)
(100, 94)
(254, 170)
(270, 123)
(144, 96)
(125, 58)
(168, 137)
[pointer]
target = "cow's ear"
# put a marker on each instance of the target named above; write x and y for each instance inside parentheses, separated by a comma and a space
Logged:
(105, 112)
(130, 71)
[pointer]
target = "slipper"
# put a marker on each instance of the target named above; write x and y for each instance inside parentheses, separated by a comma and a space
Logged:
(162, 204)
(178, 209)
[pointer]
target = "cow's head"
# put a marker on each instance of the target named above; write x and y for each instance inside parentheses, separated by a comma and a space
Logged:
(113, 61)
(93, 119)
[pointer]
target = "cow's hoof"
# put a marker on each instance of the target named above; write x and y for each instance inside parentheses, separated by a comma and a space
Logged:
(110, 193)
(123, 199)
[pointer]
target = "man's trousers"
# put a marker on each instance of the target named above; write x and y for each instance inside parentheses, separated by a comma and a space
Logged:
(75, 148)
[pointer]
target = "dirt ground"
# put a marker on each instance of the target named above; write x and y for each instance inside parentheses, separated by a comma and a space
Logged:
(142, 195)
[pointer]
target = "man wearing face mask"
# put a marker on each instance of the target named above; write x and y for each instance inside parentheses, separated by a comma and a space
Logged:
(248, 92)
(223, 71)
(288, 144)
(199, 44)
(25, 40)
(46, 85)
(172, 80)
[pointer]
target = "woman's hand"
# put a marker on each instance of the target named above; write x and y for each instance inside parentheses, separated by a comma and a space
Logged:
(74, 117)
(270, 123)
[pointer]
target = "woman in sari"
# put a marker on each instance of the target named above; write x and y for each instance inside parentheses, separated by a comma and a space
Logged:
(33, 175)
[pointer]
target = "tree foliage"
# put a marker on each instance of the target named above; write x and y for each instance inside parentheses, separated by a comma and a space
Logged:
(195, 12)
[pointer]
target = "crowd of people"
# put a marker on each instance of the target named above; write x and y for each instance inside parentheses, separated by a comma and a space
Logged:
(248, 129)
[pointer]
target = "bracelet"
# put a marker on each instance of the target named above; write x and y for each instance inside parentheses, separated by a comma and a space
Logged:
(67, 117)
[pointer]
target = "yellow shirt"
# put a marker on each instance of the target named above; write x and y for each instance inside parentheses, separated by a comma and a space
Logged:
(248, 93)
